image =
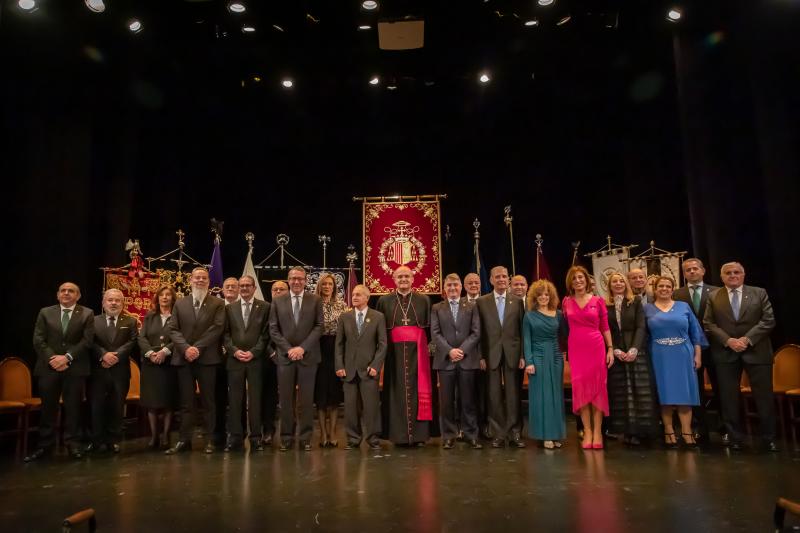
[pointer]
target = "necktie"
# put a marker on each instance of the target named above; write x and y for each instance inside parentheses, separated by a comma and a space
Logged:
(501, 307)
(110, 321)
(735, 303)
(696, 293)
(360, 321)
(296, 308)
(196, 307)
(246, 314)
(65, 321)
(112, 331)
(454, 309)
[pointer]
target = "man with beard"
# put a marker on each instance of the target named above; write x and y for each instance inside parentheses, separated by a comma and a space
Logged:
(114, 340)
(196, 328)
(407, 389)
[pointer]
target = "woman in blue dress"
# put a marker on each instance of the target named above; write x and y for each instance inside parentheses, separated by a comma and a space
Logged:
(676, 340)
(542, 327)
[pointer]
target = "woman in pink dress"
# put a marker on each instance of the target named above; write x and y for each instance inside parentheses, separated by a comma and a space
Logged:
(590, 354)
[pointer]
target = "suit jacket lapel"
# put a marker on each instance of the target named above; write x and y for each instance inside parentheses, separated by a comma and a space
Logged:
(744, 303)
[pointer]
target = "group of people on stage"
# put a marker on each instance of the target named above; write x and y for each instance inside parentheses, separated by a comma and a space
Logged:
(636, 358)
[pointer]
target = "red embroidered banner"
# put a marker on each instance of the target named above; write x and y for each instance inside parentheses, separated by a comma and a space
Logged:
(402, 233)
(139, 291)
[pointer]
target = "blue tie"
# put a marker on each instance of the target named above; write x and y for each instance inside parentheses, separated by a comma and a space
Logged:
(454, 309)
(735, 303)
(501, 307)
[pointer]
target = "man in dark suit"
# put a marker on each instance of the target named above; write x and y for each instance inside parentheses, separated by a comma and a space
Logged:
(472, 287)
(696, 293)
(196, 327)
(246, 340)
(738, 321)
(269, 396)
(114, 341)
(456, 329)
(62, 340)
(501, 316)
(295, 325)
(360, 351)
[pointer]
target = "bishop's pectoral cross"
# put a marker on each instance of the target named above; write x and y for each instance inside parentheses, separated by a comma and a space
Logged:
(405, 321)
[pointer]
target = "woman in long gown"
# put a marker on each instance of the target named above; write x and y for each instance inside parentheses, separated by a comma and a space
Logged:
(542, 327)
(676, 341)
(590, 355)
(631, 389)
(328, 392)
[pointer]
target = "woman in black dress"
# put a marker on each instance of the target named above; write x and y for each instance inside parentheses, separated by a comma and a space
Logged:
(631, 388)
(328, 393)
(159, 380)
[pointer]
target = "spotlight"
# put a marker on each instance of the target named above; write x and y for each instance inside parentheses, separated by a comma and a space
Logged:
(96, 6)
(369, 5)
(287, 83)
(27, 5)
(545, 2)
(236, 7)
(391, 87)
(531, 22)
(364, 27)
(563, 20)
(134, 26)
(374, 81)
(248, 29)
(484, 78)
(674, 15)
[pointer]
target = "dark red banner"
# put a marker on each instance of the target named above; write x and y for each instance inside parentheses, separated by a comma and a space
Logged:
(402, 233)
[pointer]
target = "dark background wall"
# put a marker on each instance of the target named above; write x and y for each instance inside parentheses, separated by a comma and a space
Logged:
(685, 135)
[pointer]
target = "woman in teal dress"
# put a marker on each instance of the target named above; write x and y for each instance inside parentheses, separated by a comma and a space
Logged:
(542, 327)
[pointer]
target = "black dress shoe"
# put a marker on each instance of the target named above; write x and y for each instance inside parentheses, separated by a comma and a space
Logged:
(75, 452)
(771, 446)
(256, 445)
(180, 447)
(351, 445)
(475, 444)
(375, 445)
(736, 446)
(516, 442)
(305, 446)
(115, 448)
(285, 445)
(37, 454)
(267, 441)
(726, 439)
(460, 436)
(498, 443)
(209, 448)
(97, 448)
(447, 444)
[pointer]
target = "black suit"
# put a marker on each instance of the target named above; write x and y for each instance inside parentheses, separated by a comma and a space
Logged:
(287, 334)
(463, 333)
(684, 294)
(48, 340)
(501, 347)
(109, 386)
(755, 321)
(204, 332)
(254, 338)
(355, 352)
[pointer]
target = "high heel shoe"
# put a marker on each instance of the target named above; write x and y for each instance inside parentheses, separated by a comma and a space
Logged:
(669, 441)
(687, 443)
(153, 443)
(597, 446)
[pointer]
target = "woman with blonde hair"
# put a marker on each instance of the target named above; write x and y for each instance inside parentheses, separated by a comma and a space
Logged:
(631, 390)
(542, 328)
(328, 392)
(590, 355)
